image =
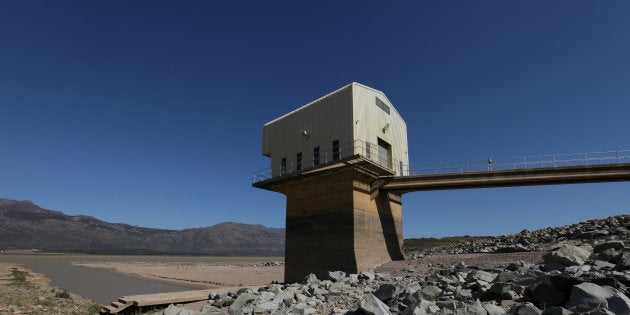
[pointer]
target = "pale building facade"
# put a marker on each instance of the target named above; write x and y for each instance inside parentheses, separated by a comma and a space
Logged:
(355, 120)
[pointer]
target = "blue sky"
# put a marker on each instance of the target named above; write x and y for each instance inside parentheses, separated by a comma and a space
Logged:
(151, 112)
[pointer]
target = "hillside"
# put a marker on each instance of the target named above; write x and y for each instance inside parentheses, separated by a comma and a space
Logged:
(24, 225)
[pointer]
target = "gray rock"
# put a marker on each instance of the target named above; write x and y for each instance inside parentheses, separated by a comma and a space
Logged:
(336, 276)
(528, 309)
(482, 275)
(385, 292)
(493, 309)
(614, 244)
(312, 278)
(210, 310)
(174, 310)
(367, 275)
(266, 308)
(240, 302)
(618, 302)
(623, 260)
(587, 296)
(431, 292)
(302, 309)
(370, 304)
(555, 310)
(474, 309)
(568, 255)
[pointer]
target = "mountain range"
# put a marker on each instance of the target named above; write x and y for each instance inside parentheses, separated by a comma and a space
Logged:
(24, 225)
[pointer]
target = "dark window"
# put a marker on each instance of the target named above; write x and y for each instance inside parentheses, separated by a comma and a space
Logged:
(298, 165)
(368, 150)
(283, 167)
(382, 105)
(401, 168)
(335, 150)
(316, 156)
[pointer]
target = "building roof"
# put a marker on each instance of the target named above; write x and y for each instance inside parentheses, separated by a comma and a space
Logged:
(324, 97)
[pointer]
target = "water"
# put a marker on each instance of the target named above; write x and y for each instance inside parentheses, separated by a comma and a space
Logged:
(102, 285)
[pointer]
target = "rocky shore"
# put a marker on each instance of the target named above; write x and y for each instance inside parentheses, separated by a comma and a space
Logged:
(578, 269)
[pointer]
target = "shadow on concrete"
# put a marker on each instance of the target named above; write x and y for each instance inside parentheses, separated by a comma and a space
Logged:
(388, 224)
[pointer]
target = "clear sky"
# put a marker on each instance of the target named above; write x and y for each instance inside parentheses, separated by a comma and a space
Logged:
(151, 112)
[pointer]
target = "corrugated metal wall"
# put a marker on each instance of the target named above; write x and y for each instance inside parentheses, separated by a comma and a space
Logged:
(325, 120)
(347, 114)
(370, 119)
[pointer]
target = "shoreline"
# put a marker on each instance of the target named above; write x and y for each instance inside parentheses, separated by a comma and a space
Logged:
(197, 276)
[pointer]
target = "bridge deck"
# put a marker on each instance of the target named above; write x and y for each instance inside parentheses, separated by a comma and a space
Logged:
(510, 178)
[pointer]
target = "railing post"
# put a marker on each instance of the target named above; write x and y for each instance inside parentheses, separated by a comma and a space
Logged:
(554, 160)
(617, 152)
(585, 159)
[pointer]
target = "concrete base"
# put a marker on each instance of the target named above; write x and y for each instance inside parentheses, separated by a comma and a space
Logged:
(332, 223)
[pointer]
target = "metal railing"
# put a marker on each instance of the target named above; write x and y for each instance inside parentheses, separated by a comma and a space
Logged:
(520, 162)
(328, 155)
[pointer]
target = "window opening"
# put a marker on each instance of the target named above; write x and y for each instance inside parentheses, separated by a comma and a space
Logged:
(298, 165)
(335, 150)
(316, 156)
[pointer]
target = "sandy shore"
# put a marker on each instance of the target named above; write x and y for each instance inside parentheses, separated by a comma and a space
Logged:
(201, 275)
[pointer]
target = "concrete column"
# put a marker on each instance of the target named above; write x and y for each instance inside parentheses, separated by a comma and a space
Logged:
(333, 223)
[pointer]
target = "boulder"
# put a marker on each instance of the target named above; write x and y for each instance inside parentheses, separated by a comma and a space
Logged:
(528, 309)
(547, 294)
(567, 255)
(240, 302)
(431, 292)
(493, 309)
(614, 244)
(385, 292)
(586, 297)
(555, 310)
(370, 304)
(174, 310)
(336, 276)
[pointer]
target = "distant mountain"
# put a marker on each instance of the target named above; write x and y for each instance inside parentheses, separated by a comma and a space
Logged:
(24, 225)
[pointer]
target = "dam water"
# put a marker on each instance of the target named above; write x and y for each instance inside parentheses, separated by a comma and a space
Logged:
(101, 285)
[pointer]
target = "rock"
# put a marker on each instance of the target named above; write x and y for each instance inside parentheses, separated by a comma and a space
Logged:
(336, 276)
(174, 310)
(568, 255)
(385, 292)
(239, 303)
(482, 275)
(370, 304)
(431, 292)
(312, 279)
(474, 309)
(547, 294)
(623, 260)
(367, 275)
(423, 307)
(493, 309)
(614, 244)
(266, 308)
(210, 310)
(528, 309)
(587, 296)
(302, 309)
(555, 310)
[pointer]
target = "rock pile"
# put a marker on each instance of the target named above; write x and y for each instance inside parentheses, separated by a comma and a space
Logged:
(592, 231)
(586, 270)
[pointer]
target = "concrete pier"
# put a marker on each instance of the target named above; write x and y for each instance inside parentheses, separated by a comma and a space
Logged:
(334, 221)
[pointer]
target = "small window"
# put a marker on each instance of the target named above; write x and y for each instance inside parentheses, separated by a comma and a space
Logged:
(283, 167)
(316, 156)
(401, 168)
(368, 151)
(298, 165)
(382, 105)
(335, 150)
